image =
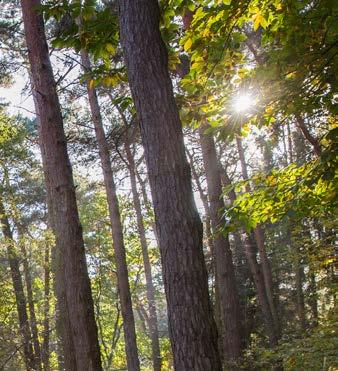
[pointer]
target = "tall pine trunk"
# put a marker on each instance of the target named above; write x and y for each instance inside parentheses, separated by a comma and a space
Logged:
(65, 345)
(116, 225)
(225, 273)
(61, 193)
(192, 328)
(153, 325)
(20, 299)
(210, 242)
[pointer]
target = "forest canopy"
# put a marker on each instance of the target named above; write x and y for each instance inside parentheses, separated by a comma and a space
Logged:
(168, 177)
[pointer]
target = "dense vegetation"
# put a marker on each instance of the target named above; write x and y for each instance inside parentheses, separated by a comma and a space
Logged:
(168, 193)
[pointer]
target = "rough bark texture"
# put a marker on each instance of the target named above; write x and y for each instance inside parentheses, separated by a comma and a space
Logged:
(61, 193)
(18, 291)
(116, 226)
(225, 273)
(210, 242)
(192, 328)
(65, 346)
(153, 326)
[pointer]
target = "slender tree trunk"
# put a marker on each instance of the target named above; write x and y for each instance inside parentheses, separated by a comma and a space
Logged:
(313, 303)
(31, 307)
(204, 199)
(13, 260)
(258, 278)
(308, 136)
(153, 326)
(225, 273)
(116, 225)
(61, 190)
(256, 272)
(46, 306)
(192, 328)
(242, 271)
(299, 278)
(266, 267)
(290, 146)
(259, 238)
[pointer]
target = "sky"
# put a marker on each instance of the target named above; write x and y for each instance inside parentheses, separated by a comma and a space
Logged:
(20, 102)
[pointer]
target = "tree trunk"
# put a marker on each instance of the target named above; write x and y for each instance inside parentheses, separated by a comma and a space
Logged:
(192, 328)
(225, 273)
(13, 260)
(313, 303)
(153, 326)
(242, 270)
(256, 272)
(299, 278)
(46, 306)
(210, 242)
(290, 146)
(259, 238)
(65, 346)
(116, 225)
(258, 278)
(31, 307)
(266, 268)
(310, 138)
(204, 200)
(61, 193)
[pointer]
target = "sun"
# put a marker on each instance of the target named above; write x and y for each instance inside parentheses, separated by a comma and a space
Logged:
(243, 103)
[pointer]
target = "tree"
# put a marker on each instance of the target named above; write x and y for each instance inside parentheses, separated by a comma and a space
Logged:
(115, 221)
(192, 328)
(226, 282)
(61, 193)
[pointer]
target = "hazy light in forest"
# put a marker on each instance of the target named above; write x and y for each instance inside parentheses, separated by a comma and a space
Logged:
(243, 102)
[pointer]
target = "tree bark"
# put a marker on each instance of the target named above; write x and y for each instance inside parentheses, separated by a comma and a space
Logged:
(210, 242)
(225, 273)
(153, 325)
(116, 225)
(14, 266)
(65, 346)
(61, 193)
(192, 328)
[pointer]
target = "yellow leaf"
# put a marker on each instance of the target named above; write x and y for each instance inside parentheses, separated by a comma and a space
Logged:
(111, 80)
(110, 48)
(206, 32)
(91, 84)
(187, 45)
(259, 20)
